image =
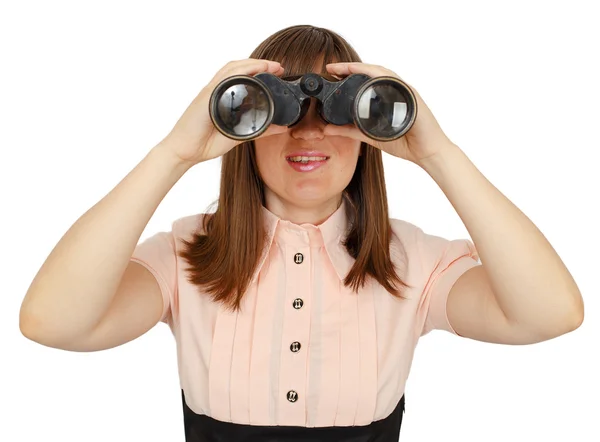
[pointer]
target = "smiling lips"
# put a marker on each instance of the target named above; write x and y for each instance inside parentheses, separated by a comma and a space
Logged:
(306, 161)
(302, 159)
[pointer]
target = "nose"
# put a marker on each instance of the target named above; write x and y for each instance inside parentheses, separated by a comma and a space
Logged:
(310, 127)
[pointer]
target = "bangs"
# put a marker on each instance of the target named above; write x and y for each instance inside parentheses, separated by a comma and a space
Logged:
(299, 48)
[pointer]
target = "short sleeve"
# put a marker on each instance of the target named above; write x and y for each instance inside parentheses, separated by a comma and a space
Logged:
(158, 254)
(443, 262)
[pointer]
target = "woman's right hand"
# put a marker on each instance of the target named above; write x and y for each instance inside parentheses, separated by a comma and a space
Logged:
(194, 138)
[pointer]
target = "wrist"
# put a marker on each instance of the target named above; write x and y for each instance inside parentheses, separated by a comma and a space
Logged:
(167, 156)
(434, 163)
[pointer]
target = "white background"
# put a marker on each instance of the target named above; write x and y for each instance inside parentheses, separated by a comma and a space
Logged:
(87, 88)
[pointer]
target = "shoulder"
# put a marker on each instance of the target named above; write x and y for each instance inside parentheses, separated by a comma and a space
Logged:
(403, 230)
(412, 242)
(405, 235)
(404, 246)
(186, 226)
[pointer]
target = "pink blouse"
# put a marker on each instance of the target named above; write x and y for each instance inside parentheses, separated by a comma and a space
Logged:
(304, 351)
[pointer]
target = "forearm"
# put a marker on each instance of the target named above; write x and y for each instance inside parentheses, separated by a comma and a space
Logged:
(529, 280)
(76, 284)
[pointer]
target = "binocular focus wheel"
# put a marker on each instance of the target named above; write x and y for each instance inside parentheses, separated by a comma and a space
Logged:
(385, 108)
(241, 107)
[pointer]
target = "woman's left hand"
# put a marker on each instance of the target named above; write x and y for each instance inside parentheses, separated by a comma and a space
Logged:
(424, 139)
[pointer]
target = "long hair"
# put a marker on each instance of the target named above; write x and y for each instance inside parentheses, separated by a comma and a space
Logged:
(224, 256)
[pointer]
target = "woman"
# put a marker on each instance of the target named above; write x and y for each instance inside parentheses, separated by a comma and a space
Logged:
(297, 305)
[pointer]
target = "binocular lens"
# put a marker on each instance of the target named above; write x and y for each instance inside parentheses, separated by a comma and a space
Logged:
(242, 109)
(382, 110)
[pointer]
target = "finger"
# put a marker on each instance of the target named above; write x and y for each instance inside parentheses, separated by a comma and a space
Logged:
(249, 66)
(279, 72)
(253, 66)
(345, 69)
(246, 67)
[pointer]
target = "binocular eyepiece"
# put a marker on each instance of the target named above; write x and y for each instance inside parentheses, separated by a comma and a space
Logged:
(242, 107)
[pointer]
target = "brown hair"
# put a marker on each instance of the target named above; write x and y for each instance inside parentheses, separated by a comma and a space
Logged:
(223, 259)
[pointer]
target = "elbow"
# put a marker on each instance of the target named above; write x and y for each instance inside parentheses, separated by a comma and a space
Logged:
(577, 309)
(33, 328)
(572, 316)
(29, 321)
(567, 324)
(577, 312)
(577, 318)
(25, 323)
(550, 328)
(27, 326)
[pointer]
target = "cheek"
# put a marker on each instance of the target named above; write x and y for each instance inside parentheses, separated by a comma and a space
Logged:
(345, 168)
(266, 162)
(348, 155)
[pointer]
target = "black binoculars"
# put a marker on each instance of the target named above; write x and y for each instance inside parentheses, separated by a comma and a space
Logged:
(242, 107)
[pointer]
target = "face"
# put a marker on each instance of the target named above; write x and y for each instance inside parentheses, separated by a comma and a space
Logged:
(318, 184)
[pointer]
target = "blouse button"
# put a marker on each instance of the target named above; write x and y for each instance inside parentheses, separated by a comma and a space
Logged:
(298, 303)
(295, 347)
(298, 258)
(292, 396)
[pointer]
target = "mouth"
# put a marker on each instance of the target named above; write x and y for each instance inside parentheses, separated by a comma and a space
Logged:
(306, 159)
(302, 163)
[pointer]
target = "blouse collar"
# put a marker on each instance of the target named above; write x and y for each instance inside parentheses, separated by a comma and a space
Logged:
(328, 234)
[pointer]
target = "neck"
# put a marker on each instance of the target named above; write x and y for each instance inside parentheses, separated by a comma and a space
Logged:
(315, 213)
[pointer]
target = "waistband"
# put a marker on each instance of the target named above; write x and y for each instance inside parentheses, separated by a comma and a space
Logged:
(202, 428)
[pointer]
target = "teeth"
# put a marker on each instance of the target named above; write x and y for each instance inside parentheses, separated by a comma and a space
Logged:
(306, 159)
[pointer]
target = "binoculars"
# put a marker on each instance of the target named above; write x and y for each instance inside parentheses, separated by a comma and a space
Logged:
(242, 107)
